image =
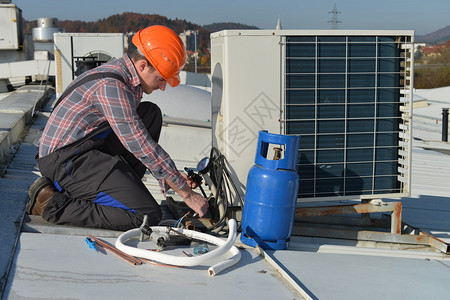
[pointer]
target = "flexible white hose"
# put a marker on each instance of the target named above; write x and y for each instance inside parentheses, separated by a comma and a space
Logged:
(219, 267)
(224, 247)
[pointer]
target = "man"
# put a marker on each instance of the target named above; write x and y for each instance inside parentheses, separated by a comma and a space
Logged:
(100, 139)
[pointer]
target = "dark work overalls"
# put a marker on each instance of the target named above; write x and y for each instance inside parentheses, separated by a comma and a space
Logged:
(99, 182)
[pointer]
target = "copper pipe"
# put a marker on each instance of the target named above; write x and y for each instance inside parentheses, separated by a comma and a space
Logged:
(128, 258)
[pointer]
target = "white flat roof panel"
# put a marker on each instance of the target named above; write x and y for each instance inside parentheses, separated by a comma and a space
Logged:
(60, 266)
(347, 277)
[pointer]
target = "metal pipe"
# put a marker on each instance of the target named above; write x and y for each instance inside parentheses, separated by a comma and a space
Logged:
(128, 258)
(186, 122)
(196, 54)
(445, 124)
(71, 56)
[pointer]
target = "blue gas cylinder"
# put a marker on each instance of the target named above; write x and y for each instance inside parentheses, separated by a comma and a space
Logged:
(271, 194)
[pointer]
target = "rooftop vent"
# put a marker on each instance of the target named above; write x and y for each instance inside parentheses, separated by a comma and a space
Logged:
(45, 30)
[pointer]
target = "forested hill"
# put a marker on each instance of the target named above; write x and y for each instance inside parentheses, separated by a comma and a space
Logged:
(228, 25)
(132, 22)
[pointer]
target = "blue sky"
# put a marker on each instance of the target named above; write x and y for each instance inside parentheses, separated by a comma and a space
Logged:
(423, 16)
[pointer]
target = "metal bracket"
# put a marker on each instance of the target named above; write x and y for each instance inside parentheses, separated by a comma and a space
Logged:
(373, 206)
(358, 229)
(145, 229)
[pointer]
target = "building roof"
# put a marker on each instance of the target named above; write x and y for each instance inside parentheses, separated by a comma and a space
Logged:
(47, 261)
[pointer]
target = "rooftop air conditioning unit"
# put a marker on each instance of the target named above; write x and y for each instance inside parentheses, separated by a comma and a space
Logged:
(11, 31)
(348, 94)
(79, 52)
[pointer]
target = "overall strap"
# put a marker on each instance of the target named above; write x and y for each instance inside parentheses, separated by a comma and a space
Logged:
(86, 79)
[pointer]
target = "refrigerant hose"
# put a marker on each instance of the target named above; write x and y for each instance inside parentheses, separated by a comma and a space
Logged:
(224, 247)
(224, 187)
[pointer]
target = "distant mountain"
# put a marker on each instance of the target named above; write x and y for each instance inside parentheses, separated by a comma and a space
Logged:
(437, 37)
(125, 22)
(132, 22)
(214, 27)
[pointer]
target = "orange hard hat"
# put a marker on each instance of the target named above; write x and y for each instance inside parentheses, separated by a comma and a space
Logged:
(164, 50)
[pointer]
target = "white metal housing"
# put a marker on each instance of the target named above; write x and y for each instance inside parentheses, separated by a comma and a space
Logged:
(347, 93)
(72, 46)
(186, 132)
(10, 27)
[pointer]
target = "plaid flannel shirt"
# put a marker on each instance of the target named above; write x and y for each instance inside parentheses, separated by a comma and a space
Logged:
(108, 99)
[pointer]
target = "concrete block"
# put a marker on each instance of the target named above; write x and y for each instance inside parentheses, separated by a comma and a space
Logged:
(11, 126)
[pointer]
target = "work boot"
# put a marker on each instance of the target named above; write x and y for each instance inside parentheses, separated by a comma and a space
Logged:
(40, 193)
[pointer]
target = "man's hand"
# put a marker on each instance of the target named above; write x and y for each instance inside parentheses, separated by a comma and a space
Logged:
(192, 184)
(196, 202)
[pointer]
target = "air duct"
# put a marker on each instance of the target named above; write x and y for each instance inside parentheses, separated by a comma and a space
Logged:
(45, 30)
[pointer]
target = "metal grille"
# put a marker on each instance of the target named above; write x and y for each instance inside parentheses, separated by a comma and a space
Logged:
(348, 97)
